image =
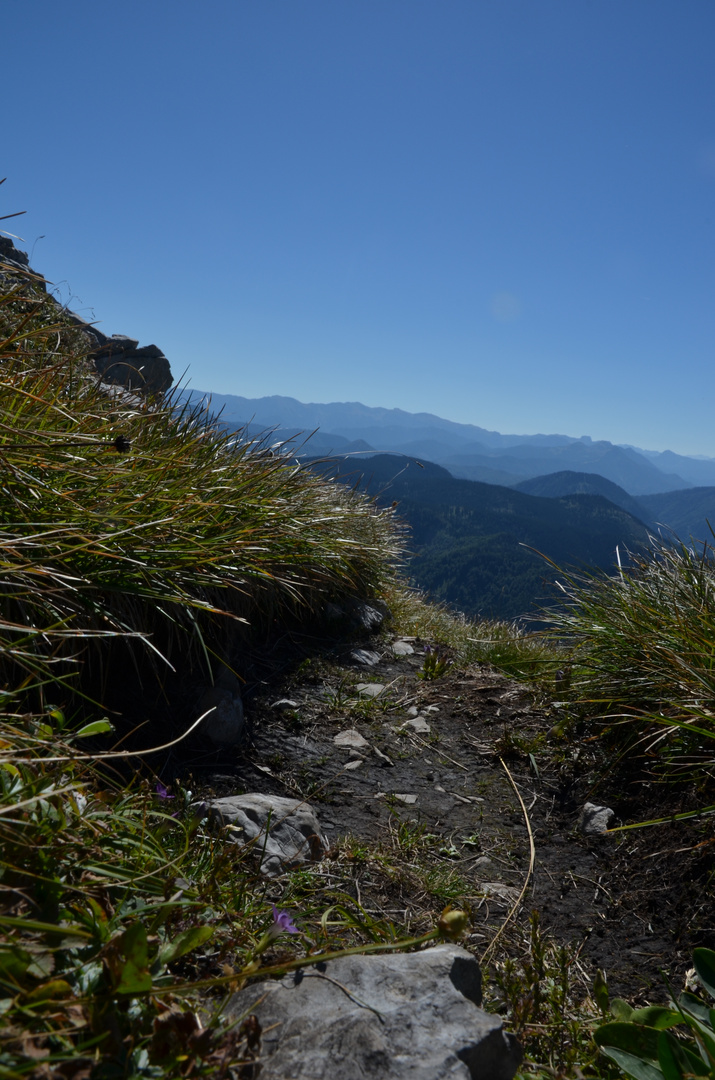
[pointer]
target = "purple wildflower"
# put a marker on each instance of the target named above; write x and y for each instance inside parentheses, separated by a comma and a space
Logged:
(161, 791)
(282, 923)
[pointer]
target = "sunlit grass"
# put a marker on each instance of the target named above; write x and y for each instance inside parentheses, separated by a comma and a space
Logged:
(125, 516)
(642, 652)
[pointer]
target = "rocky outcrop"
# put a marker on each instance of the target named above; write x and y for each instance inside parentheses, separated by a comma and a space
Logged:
(390, 1017)
(118, 359)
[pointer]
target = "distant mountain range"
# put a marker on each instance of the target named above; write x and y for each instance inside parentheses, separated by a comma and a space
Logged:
(467, 451)
(484, 508)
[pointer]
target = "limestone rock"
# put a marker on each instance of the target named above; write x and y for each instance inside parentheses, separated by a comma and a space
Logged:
(351, 738)
(286, 832)
(418, 724)
(355, 616)
(394, 1017)
(370, 690)
(120, 360)
(366, 657)
(595, 819)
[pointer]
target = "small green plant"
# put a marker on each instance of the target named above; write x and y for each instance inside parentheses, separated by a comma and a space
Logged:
(548, 1010)
(665, 1043)
(435, 665)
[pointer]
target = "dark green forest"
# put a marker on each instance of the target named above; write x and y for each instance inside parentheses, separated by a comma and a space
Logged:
(483, 548)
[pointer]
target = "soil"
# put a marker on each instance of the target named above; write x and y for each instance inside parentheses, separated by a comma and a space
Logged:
(633, 903)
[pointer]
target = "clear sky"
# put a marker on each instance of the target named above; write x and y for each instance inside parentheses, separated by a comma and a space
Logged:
(500, 211)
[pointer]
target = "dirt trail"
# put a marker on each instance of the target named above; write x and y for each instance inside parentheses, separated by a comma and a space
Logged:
(631, 903)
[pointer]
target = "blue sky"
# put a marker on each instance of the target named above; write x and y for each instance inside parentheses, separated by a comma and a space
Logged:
(499, 211)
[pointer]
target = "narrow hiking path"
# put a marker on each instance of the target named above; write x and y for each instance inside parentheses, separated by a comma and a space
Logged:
(410, 779)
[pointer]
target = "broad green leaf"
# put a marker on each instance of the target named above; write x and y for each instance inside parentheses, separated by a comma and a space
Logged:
(642, 1042)
(632, 1065)
(656, 1016)
(97, 727)
(677, 1061)
(704, 960)
(49, 991)
(14, 962)
(134, 977)
(700, 1019)
(621, 1009)
(692, 1005)
(184, 943)
(42, 965)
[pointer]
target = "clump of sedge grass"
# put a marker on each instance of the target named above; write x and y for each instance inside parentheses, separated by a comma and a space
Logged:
(136, 519)
(123, 917)
(643, 650)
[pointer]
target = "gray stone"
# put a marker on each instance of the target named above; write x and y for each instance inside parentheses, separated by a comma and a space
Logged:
(285, 832)
(497, 890)
(402, 648)
(370, 689)
(366, 657)
(366, 616)
(119, 360)
(482, 863)
(384, 760)
(356, 616)
(595, 819)
(393, 1017)
(418, 724)
(350, 738)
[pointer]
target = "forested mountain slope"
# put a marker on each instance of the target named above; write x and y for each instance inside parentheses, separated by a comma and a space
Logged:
(477, 545)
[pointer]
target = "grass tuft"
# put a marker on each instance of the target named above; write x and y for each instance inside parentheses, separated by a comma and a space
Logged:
(642, 652)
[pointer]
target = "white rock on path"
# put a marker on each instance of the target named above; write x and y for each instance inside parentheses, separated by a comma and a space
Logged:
(370, 689)
(595, 819)
(367, 657)
(418, 724)
(351, 739)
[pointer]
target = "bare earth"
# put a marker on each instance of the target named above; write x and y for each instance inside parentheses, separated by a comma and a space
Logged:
(631, 903)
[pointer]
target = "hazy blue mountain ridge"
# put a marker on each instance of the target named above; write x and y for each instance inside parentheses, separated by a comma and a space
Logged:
(468, 451)
(688, 514)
